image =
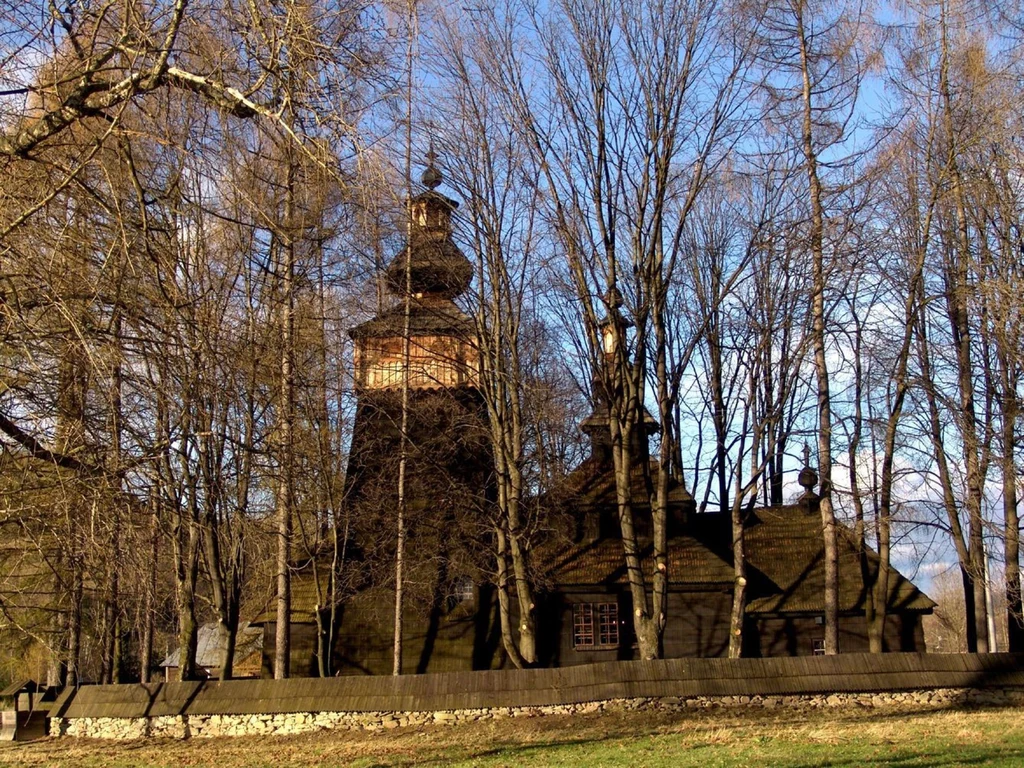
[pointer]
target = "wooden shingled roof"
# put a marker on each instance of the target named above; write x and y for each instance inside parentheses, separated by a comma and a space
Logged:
(600, 562)
(785, 566)
(210, 648)
(428, 316)
(306, 598)
(593, 486)
(25, 685)
(785, 545)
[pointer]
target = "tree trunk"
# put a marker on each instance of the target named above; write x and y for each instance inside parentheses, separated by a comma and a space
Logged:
(403, 449)
(824, 399)
(719, 414)
(946, 482)
(186, 565)
(74, 663)
(739, 587)
(149, 598)
(110, 665)
(286, 418)
(109, 627)
(1011, 529)
(957, 278)
(224, 602)
(859, 527)
(643, 624)
(524, 589)
(508, 640)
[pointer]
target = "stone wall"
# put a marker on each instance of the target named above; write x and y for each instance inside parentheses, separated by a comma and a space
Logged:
(205, 726)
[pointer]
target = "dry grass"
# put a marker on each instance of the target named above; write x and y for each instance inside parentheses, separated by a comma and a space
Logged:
(701, 739)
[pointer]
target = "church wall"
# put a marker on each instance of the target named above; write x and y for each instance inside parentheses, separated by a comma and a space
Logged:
(467, 636)
(698, 626)
(913, 627)
(795, 635)
(443, 637)
(555, 641)
(302, 651)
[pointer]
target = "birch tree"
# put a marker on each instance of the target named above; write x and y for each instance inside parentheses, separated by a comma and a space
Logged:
(814, 65)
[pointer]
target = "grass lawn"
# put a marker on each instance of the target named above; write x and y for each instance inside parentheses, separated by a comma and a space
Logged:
(704, 739)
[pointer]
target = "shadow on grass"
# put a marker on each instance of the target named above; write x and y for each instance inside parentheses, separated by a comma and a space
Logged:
(629, 746)
(534, 754)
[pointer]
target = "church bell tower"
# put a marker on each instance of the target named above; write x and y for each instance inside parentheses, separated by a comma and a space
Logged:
(449, 467)
(441, 354)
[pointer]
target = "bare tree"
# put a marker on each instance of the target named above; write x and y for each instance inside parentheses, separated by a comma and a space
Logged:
(625, 145)
(814, 68)
(488, 161)
(953, 93)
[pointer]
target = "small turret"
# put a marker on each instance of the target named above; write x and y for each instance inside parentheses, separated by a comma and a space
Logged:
(597, 424)
(808, 479)
(436, 265)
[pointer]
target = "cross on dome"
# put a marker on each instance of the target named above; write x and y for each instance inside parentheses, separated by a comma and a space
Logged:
(431, 177)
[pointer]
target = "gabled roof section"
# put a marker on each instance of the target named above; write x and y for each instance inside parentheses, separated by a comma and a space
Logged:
(592, 486)
(27, 685)
(691, 563)
(785, 544)
(209, 650)
(785, 564)
(306, 600)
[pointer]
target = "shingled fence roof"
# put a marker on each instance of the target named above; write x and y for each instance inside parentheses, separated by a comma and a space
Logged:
(845, 673)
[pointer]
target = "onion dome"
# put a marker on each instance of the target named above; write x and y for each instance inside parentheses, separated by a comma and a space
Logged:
(431, 177)
(808, 478)
(436, 265)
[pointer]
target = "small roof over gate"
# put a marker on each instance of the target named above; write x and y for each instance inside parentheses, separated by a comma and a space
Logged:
(22, 686)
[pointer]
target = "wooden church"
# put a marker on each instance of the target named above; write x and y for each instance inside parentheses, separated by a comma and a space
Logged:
(450, 619)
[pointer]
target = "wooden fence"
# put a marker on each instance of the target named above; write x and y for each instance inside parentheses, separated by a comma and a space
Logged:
(846, 673)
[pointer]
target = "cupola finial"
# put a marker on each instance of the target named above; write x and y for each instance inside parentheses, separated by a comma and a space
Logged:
(808, 478)
(431, 177)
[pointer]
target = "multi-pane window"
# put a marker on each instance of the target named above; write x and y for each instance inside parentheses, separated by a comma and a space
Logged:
(463, 592)
(434, 361)
(387, 373)
(595, 625)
